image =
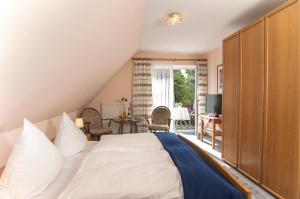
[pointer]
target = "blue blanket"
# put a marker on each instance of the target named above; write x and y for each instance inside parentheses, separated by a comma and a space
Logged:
(199, 179)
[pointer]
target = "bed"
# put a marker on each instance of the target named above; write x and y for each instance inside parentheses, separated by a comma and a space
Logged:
(136, 166)
(70, 167)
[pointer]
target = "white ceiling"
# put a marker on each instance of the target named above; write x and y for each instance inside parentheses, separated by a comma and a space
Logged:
(205, 23)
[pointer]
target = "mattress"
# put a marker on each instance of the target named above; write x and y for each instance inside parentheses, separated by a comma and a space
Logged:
(70, 167)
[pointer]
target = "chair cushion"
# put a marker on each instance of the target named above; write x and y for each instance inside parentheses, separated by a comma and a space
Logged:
(100, 130)
(159, 127)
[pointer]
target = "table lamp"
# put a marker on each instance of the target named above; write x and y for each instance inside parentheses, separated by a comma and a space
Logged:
(79, 122)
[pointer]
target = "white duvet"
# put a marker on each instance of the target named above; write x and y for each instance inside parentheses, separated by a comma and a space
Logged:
(126, 166)
(129, 142)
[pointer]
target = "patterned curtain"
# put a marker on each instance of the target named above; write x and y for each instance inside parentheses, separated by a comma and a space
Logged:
(142, 92)
(202, 88)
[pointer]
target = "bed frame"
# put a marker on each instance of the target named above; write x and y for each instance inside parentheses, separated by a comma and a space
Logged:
(219, 168)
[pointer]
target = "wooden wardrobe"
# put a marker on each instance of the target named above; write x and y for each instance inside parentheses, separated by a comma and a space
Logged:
(251, 107)
(231, 98)
(261, 123)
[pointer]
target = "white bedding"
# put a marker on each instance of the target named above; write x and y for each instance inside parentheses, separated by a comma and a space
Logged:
(126, 166)
(70, 167)
(129, 142)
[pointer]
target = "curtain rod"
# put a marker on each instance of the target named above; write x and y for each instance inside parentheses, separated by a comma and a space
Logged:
(168, 59)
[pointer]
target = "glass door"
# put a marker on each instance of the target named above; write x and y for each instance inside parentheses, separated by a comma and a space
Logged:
(185, 103)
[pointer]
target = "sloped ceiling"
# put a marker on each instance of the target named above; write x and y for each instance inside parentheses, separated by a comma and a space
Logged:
(56, 55)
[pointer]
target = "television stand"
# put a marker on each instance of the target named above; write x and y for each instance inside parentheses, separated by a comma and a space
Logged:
(206, 128)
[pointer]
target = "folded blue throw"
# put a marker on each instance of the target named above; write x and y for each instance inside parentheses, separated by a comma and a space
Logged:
(199, 179)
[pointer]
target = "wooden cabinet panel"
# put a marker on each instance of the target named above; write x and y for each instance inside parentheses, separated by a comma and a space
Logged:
(251, 100)
(231, 59)
(281, 142)
(298, 96)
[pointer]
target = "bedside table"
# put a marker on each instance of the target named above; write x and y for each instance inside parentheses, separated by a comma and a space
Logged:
(88, 136)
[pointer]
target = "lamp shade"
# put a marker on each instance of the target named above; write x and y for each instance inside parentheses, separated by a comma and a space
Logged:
(79, 122)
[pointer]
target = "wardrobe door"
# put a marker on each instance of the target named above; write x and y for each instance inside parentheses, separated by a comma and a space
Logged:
(281, 143)
(298, 98)
(231, 64)
(251, 100)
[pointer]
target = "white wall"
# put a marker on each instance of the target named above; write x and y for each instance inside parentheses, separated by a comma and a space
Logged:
(215, 58)
(120, 84)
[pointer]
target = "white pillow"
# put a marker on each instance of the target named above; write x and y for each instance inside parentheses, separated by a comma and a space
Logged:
(69, 139)
(32, 165)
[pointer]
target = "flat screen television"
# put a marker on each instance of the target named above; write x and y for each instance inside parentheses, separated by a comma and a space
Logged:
(214, 105)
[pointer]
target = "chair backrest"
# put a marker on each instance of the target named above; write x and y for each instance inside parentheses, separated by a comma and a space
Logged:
(92, 116)
(161, 115)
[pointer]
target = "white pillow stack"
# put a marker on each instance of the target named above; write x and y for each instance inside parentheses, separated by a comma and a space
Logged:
(33, 164)
(69, 139)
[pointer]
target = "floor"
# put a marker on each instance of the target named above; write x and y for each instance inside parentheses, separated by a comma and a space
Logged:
(257, 191)
(206, 139)
(184, 125)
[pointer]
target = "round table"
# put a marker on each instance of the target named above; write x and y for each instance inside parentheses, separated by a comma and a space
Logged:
(131, 121)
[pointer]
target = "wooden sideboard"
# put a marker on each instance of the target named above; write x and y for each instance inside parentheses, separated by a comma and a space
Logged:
(209, 126)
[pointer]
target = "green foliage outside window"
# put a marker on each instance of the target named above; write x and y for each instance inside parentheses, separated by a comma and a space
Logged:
(184, 87)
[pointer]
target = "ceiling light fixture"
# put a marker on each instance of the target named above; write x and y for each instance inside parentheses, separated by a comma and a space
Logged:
(174, 19)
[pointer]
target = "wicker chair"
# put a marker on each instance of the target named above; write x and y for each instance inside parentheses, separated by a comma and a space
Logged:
(160, 119)
(93, 123)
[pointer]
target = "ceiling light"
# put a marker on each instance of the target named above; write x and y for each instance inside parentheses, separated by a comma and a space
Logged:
(174, 19)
